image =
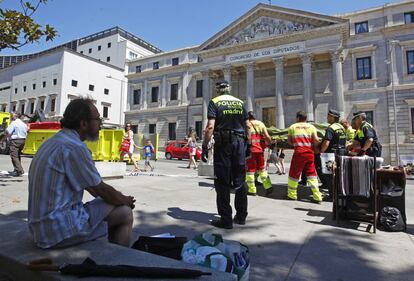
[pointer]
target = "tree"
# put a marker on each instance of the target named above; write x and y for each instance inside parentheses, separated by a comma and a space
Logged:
(18, 28)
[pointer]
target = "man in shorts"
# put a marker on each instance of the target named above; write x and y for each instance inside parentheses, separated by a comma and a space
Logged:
(60, 172)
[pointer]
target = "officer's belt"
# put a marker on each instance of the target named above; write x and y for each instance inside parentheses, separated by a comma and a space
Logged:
(229, 135)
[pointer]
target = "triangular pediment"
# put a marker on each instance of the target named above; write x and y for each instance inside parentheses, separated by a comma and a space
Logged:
(268, 21)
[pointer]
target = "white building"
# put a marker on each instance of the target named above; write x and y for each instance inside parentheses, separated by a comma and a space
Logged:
(93, 66)
(280, 61)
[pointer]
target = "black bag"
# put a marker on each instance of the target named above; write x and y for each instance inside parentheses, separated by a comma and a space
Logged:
(391, 219)
(166, 247)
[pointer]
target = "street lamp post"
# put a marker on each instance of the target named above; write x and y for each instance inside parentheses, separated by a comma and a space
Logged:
(391, 62)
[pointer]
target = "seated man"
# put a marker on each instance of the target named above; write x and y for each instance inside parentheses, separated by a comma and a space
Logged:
(60, 172)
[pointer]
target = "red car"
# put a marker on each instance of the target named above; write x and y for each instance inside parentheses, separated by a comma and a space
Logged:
(177, 149)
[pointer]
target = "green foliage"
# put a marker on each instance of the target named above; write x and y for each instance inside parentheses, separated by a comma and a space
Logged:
(18, 28)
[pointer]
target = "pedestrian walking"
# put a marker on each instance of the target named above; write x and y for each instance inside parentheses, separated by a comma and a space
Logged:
(16, 132)
(227, 119)
(148, 152)
(128, 141)
(303, 137)
(192, 145)
(259, 139)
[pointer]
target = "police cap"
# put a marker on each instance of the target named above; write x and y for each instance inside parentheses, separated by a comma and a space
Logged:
(222, 85)
(334, 113)
(357, 114)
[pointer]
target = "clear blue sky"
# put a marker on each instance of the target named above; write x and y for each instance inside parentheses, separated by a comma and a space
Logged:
(167, 24)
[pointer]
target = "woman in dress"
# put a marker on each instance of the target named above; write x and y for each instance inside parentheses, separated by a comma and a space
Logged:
(192, 144)
(129, 135)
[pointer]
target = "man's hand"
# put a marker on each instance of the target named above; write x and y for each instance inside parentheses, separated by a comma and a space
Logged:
(129, 201)
(204, 153)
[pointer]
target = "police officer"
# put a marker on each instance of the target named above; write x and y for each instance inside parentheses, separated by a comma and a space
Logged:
(366, 137)
(227, 119)
(334, 141)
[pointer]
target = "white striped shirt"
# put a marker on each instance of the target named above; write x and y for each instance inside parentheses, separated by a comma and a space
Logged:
(60, 171)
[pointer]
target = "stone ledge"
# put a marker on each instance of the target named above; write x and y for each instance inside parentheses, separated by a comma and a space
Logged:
(15, 242)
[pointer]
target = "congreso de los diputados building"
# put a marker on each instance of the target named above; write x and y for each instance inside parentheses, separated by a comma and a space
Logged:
(280, 61)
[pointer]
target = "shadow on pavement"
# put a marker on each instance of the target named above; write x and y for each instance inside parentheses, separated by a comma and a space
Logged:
(179, 214)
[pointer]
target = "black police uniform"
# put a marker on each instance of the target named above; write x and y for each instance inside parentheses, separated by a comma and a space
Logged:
(336, 135)
(229, 156)
(365, 133)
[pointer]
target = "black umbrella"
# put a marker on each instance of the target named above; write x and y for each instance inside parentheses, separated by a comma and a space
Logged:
(89, 268)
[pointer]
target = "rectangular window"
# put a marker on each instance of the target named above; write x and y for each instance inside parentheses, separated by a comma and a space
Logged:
(410, 62)
(154, 94)
(42, 105)
(174, 92)
(152, 128)
(22, 109)
(24, 88)
(409, 17)
(108, 59)
(14, 108)
(172, 131)
(370, 117)
(105, 112)
(199, 129)
(412, 120)
(99, 47)
(155, 65)
(34, 86)
(109, 45)
(138, 69)
(15, 90)
(44, 84)
(31, 107)
(361, 27)
(106, 91)
(54, 81)
(137, 96)
(53, 104)
(363, 68)
(91, 87)
(175, 61)
(74, 83)
(132, 55)
(199, 90)
(90, 50)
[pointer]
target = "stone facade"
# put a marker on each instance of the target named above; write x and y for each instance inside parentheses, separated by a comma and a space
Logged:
(280, 61)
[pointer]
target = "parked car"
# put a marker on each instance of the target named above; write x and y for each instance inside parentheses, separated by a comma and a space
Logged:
(177, 149)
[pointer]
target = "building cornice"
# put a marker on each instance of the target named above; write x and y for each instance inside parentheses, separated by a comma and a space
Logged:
(157, 72)
(342, 29)
(156, 109)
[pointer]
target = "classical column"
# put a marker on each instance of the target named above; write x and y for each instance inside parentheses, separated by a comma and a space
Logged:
(164, 91)
(307, 85)
(338, 83)
(227, 73)
(280, 91)
(206, 95)
(185, 88)
(250, 86)
(144, 95)
(393, 72)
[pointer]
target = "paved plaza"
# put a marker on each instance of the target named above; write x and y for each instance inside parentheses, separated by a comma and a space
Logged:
(287, 240)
